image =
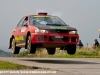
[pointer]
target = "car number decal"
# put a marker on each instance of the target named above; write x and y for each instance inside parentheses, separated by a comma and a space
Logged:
(43, 16)
(19, 38)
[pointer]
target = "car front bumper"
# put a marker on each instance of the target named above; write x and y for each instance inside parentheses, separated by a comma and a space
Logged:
(54, 39)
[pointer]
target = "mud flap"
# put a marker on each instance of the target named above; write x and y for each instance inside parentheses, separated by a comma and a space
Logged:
(26, 42)
(10, 43)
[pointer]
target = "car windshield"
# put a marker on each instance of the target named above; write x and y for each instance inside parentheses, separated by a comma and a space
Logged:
(46, 20)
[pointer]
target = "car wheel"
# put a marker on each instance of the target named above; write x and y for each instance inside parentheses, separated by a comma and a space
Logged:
(51, 51)
(71, 49)
(30, 47)
(15, 50)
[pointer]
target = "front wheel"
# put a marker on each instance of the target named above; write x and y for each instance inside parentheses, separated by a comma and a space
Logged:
(71, 49)
(51, 51)
(30, 47)
(15, 49)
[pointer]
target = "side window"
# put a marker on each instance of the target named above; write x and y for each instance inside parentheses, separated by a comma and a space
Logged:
(25, 22)
(20, 22)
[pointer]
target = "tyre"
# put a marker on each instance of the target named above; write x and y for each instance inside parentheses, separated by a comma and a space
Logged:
(30, 47)
(51, 51)
(71, 49)
(15, 49)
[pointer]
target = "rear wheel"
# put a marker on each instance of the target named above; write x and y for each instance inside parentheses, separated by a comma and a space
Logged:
(51, 51)
(30, 47)
(71, 49)
(15, 49)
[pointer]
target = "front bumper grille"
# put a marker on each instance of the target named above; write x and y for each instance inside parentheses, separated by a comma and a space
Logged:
(64, 39)
(73, 39)
(53, 38)
(42, 38)
(58, 31)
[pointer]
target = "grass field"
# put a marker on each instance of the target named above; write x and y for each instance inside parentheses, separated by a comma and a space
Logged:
(42, 53)
(80, 53)
(12, 66)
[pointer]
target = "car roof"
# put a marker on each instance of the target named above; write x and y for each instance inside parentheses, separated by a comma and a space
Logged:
(39, 14)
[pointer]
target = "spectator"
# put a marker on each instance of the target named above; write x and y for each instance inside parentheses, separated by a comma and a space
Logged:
(80, 44)
(96, 44)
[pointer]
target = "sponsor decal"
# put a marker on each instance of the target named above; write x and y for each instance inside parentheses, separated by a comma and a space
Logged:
(19, 38)
(43, 16)
(62, 28)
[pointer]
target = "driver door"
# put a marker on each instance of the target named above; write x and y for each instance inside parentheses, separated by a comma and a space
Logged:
(17, 30)
(23, 30)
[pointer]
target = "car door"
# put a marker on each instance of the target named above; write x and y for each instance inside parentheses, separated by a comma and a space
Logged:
(23, 30)
(17, 30)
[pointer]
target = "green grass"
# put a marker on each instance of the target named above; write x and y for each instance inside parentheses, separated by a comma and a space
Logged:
(12, 66)
(80, 53)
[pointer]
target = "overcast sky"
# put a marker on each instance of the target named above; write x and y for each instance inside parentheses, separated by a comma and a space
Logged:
(81, 14)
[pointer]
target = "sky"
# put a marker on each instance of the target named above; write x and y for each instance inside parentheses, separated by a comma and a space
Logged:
(84, 15)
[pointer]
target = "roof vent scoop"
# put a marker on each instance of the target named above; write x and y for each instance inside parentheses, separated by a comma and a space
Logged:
(42, 13)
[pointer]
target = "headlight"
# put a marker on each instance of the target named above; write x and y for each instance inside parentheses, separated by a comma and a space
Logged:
(41, 31)
(72, 32)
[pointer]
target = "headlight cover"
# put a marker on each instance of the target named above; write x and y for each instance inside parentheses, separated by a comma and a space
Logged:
(72, 32)
(40, 31)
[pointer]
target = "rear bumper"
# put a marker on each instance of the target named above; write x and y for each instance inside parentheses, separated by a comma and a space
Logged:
(50, 39)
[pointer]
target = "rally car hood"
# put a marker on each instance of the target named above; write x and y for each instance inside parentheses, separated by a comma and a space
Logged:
(48, 27)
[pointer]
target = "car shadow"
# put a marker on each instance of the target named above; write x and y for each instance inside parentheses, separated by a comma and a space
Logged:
(56, 61)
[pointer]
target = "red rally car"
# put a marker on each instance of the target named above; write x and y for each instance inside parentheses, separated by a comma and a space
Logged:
(45, 31)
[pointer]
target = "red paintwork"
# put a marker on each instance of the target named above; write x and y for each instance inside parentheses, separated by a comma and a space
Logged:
(34, 36)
